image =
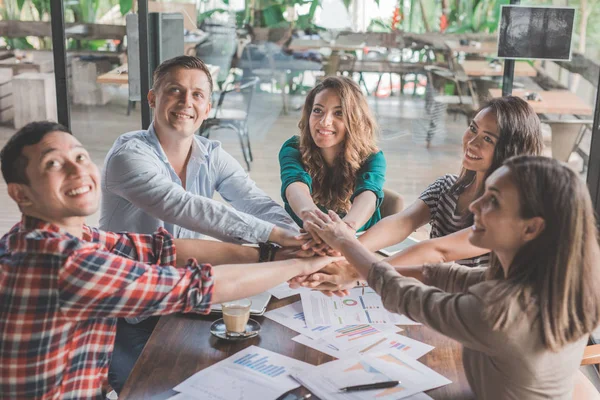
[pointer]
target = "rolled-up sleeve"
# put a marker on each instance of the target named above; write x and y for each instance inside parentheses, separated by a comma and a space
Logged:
(290, 167)
(95, 283)
(133, 174)
(457, 315)
(452, 277)
(371, 177)
(236, 187)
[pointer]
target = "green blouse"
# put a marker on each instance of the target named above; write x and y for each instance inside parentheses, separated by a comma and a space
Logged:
(370, 176)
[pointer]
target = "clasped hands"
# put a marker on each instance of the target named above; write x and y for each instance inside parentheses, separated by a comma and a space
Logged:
(328, 232)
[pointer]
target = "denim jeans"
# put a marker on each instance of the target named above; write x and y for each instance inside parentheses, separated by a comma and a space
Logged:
(129, 343)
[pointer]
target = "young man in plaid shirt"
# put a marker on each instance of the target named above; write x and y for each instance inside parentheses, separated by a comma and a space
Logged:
(63, 284)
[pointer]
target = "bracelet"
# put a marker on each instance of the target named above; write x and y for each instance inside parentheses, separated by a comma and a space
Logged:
(267, 251)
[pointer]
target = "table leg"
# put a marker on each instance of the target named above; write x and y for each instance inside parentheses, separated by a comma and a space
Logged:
(332, 66)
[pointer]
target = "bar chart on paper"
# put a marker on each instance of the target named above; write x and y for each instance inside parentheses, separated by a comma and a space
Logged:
(293, 317)
(260, 364)
(253, 373)
(300, 316)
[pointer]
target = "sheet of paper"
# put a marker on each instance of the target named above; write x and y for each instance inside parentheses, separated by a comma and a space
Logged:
(323, 347)
(352, 340)
(282, 291)
(292, 316)
(358, 336)
(402, 344)
(362, 306)
(253, 373)
(326, 379)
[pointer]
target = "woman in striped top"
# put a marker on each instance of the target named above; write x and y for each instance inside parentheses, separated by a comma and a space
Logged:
(503, 128)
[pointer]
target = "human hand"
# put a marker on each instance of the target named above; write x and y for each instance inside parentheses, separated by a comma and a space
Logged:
(292, 252)
(315, 242)
(288, 238)
(336, 276)
(314, 264)
(331, 229)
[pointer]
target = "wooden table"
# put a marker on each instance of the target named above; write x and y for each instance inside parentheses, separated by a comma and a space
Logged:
(553, 102)
(336, 46)
(479, 68)
(484, 48)
(182, 344)
(118, 76)
(39, 64)
(564, 131)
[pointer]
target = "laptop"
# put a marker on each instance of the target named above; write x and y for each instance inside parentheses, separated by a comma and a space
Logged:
(258, 307)
(390, 251)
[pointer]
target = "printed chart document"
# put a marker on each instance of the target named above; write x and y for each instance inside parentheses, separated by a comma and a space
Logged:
(401, 344)
(391, 343)
(362, 306)
(253, 373)
(292, 316)
(326, 380)
(282, 291)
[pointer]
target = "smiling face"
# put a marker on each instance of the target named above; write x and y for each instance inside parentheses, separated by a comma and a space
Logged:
(63, 180)
(479, 141)
(326, 122)
(498, 224)
(181, 102)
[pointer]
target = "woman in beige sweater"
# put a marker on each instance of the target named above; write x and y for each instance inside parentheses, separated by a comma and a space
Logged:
(524, 321)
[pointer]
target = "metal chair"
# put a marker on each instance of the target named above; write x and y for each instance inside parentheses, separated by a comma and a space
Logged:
(437, 102)
(233, 117)
(269, 72)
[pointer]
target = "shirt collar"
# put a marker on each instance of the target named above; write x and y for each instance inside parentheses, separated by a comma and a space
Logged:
(199, 149)
(29, 223)
(153, 140)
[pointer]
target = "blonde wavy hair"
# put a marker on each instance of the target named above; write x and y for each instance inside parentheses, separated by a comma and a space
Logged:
(333, 186)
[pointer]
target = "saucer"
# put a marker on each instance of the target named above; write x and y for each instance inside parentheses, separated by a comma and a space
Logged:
(218, 329)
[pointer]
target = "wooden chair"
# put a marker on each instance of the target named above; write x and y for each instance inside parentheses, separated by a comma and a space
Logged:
(587, 380)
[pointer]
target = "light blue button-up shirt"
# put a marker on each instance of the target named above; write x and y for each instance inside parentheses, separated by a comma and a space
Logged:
(141, 192)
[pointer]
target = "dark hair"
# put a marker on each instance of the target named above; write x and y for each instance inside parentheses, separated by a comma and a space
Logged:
(520, 133)
(13, 161)
(332, 187)
(187, 62)
(558, 272)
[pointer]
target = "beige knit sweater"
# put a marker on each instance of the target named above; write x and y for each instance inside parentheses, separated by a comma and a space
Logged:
(509, 364)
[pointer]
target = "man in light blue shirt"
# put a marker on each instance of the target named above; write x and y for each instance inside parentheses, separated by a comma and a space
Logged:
(166, 177)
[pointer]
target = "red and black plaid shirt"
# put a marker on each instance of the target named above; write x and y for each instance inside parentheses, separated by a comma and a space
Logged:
(60, 295)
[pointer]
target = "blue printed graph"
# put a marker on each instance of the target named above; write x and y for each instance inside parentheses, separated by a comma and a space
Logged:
(300, 316)
(260, 365)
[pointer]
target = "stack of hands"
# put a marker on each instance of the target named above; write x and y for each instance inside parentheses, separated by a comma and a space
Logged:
(325, 235)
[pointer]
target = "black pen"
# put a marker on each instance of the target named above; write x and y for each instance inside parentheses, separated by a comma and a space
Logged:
(369, 386)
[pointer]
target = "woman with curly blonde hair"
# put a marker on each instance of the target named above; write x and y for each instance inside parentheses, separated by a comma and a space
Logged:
(334, 164)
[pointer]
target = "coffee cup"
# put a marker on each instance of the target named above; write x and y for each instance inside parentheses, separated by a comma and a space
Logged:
(236, 314)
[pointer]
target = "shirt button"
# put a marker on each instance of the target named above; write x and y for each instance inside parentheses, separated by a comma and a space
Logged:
(366, 175)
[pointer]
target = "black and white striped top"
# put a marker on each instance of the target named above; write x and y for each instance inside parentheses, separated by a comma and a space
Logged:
(444, 221)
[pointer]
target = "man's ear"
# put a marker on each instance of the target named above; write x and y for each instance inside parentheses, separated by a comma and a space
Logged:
(18, 193)
(151, 98)
(208, 108)
(534, 227)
